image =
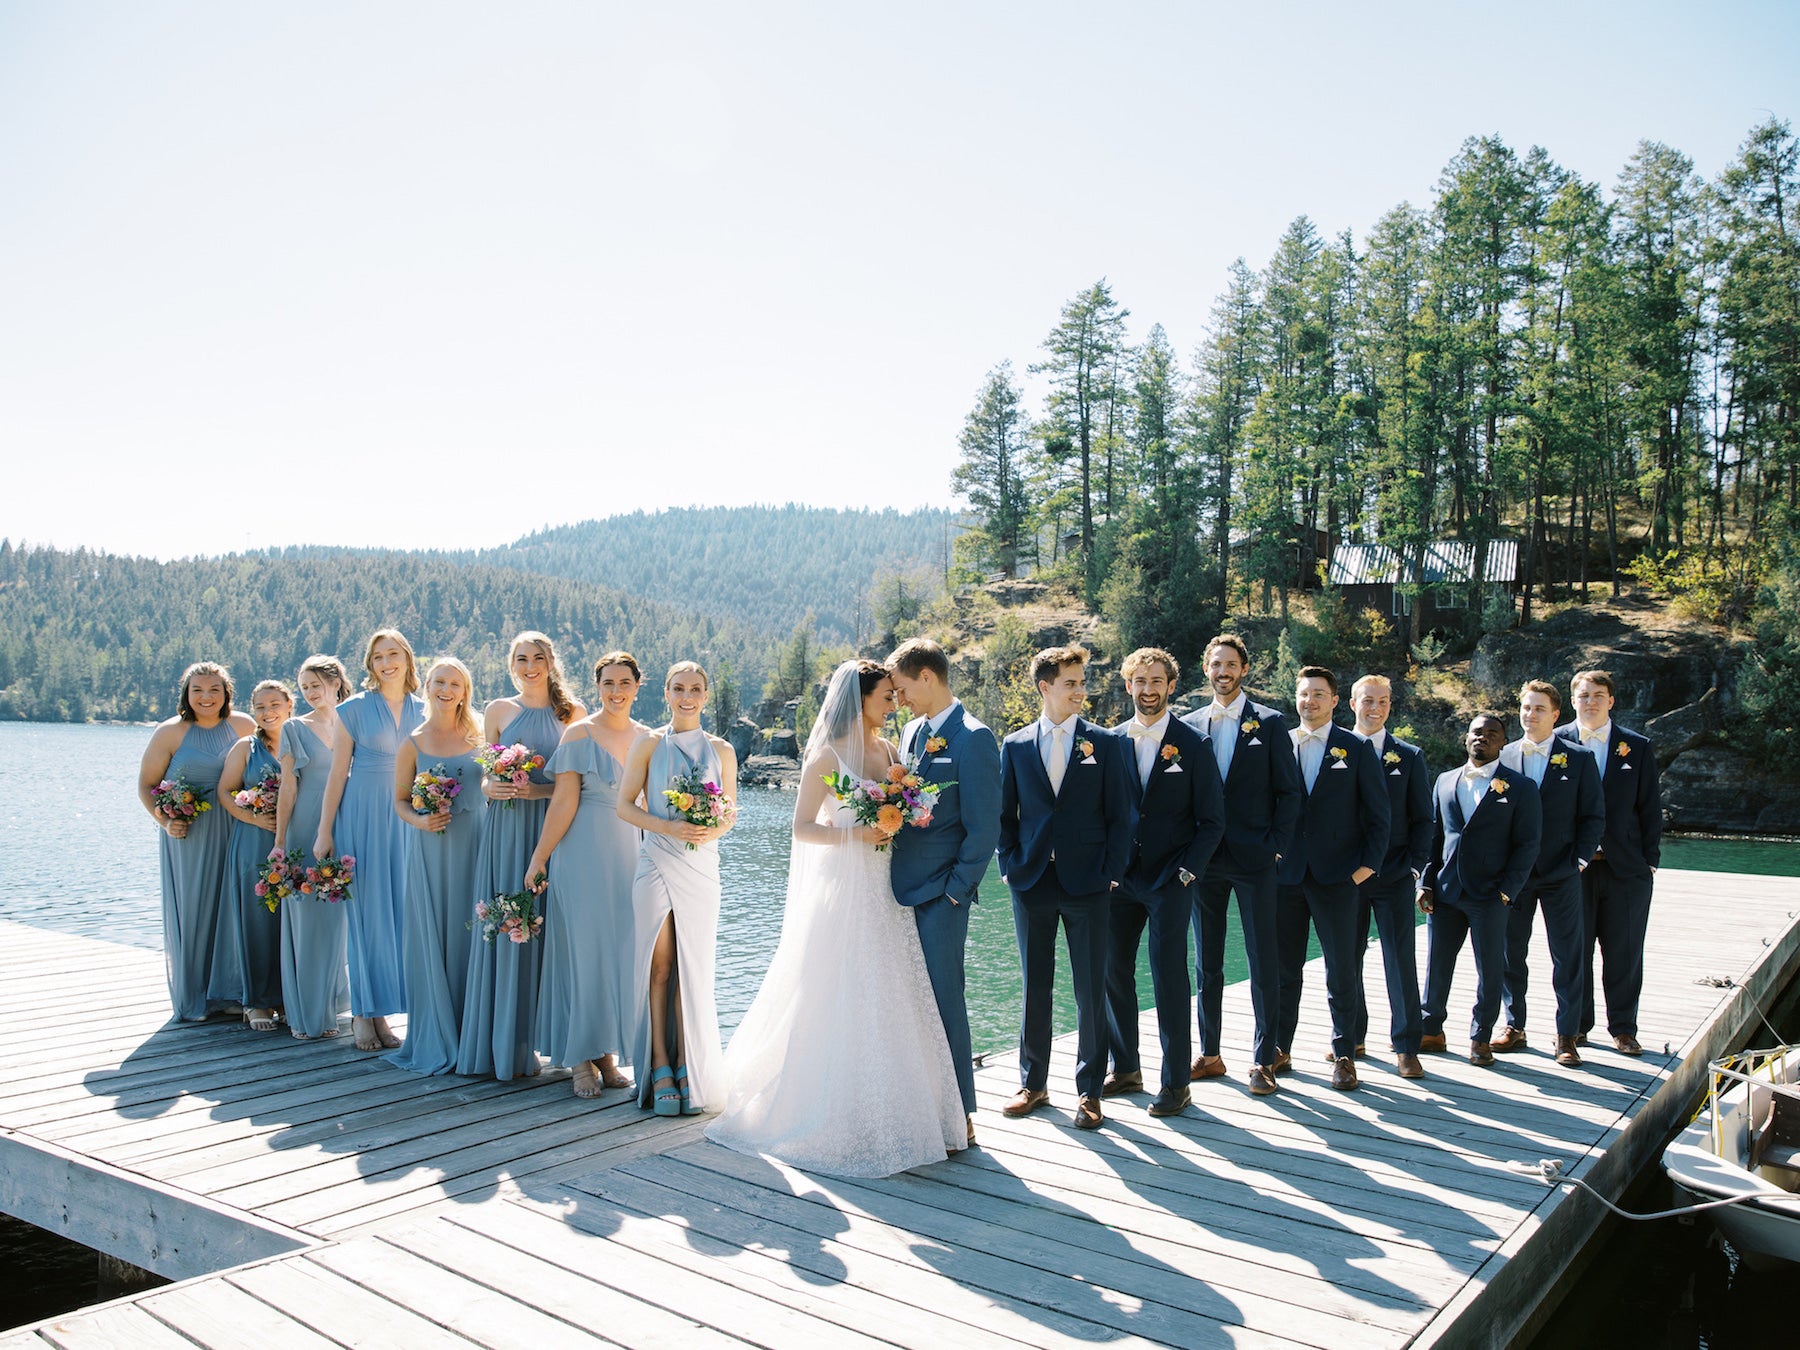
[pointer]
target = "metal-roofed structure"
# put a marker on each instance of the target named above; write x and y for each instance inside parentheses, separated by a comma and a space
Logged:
(1371, 575)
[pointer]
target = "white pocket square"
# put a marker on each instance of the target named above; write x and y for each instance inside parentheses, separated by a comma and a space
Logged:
(1090, 760)
(1254, 740)
(1173, 768)
(1625, 768)
(942, 759)
(1393, 773)
(1339, 764)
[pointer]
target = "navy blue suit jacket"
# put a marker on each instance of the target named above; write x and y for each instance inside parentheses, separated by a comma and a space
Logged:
(1088, 826)
(1262, 791)
(1180, 811)
(1488, 855)
(950, 856)
(1632, 840)
(1573, 809)
(1409, 810)
(1344, 819)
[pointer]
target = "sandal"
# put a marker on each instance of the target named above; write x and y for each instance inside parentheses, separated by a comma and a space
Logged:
(665, 1100)
(610, 1076)
(260, 1019)
(586, 1079)
(681, 1083)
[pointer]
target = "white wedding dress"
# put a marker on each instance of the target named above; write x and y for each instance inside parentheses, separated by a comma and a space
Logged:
(841, 1065)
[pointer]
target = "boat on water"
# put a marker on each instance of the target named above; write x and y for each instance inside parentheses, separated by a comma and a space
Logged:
(1745, 1147)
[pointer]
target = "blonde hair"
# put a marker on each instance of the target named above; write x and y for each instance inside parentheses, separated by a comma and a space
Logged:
(688, 668)
(329, 669)
(398, 639)
(280, 687)
(1382, 680)
(465, 718)
(1151, 656)
(562, 702)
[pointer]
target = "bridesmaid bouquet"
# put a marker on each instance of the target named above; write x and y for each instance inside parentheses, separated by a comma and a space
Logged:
(259, 798)
(177, 799)
(434, 789)
(890, 804)
(277, 878)
(699, 801)
(330, 881)
(514, 763)
(514, 917)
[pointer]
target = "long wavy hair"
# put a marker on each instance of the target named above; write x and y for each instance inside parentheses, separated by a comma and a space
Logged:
(412, 662)
(329, 669)
(561, 700)
(466, 721)
(186, 709)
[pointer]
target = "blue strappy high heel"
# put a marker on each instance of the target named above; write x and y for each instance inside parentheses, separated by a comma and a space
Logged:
(681, 1082)
(664, 1099)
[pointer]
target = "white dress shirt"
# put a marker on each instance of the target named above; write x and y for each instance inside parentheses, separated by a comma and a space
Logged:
(1056, 740)
(1378, 740)
(1595, 743)
(1535, 756)
(1146, 740)
(1222, 722)
(1473, 785)
(1309, 749)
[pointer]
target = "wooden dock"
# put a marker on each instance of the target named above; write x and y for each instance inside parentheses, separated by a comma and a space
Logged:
(306, 1195)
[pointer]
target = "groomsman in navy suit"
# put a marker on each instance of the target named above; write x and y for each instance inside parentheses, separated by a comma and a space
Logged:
(1574, 816)
(1180, 818)
(1486, 827)
(1341, 841)
(1616, 888)
(1066, 823)
(1262, 808)
(938, 868)
(1387, 897)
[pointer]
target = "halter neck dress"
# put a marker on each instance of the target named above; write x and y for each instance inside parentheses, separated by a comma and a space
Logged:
(315, 987)
(193, 870)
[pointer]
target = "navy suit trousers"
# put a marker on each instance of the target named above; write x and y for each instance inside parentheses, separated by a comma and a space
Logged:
(944, 934)
(1256, 910)
(1036, 913)
(1165, 912)
(1331, 908)
(1483, 923)
(1615, 915)
(1561, 903)
(1391, 905)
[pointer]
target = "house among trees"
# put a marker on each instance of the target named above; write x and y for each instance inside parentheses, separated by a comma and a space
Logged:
(1377, 577)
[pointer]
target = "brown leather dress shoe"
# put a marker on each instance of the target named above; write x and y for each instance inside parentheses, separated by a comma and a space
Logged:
(1508, 1041)
(1118, 1084)
(1284, 1062)
(1481, 1053)
(1025, 1102)
(1431, 1044)
(1087, 1112)
(1409, 1066)
(1627, 1044)
(1171, 1102)
(1581, 1039)
(1566, 1053)
(1343, 1074)
(1207, 1066)
(1262, 1080)
(1331, 1058)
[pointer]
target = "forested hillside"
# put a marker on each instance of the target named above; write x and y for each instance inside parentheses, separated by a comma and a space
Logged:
(763, 566)
(87, 635)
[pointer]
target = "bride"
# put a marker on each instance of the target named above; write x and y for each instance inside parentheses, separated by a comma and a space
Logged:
(841, 1065)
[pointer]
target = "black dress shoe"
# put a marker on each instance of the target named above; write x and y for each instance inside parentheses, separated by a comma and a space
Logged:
(1171, 1102)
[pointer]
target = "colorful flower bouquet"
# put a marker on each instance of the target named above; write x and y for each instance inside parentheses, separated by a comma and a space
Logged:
(177, 799)
(699, 801)
(513, 763)
(259, 798)
(890, 804)
(278, 877)
(434, 789)
(328, 880)
(513, 917)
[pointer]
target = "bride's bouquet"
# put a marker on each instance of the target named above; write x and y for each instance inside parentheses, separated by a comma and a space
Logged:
(699, 801)
(513, 763)
(890, 804)
(259, 798)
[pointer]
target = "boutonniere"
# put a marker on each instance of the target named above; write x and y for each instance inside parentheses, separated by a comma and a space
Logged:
(1391, 757)
(933, 744)
(1623, 750)
(1171, 754)
(1338, 752)
(1560, 760)
(1500, 785)
(1086, 748)
(1248, 726)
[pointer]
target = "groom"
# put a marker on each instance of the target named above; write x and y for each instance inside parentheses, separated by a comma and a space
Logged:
(937, 868)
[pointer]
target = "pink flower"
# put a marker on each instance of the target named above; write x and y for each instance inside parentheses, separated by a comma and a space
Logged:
(714, 790)
(924, 819)
(520, 935)
(481, 909)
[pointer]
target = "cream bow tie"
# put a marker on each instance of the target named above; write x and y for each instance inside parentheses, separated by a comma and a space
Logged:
(1587, 736)
(1534, 748)
(1220, 710)
(1319, 735)
(1133, 730)
(1474, 775)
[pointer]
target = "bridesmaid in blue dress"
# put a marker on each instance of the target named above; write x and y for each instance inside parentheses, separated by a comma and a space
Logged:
(247, 946)
(440, 868)
(192, 746)
(675, 905)
(500, 998)
(585, 1001)
(359, 821)
(314, 983)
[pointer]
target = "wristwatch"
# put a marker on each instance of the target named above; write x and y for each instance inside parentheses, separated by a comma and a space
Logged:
(1187, 877)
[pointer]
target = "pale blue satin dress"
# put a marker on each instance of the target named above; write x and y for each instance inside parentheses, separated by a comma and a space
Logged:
(247, 946)
(315, 987)
(440, 889)
(366, 830)
(585, 1000)
(500, 1000)
(193, 871)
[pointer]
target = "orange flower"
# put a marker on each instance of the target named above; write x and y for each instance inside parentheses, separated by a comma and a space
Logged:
(896, 773)
(685, 801)
(889, 819)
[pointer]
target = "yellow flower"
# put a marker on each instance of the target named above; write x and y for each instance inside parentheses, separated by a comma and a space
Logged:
(1249, 726)
(1338, 752)
(1391, 757)
(1500, 785)
(1560, 760)
(933, 744)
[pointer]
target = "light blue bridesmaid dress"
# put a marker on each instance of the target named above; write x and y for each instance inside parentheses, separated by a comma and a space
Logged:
(247, 946)
(586, 1008)
(366, 830)
(193, 871)
(315, 986)
(440, 886)
(500, 1000)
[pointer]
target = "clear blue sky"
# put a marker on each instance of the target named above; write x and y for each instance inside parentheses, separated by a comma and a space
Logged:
(438, 273)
